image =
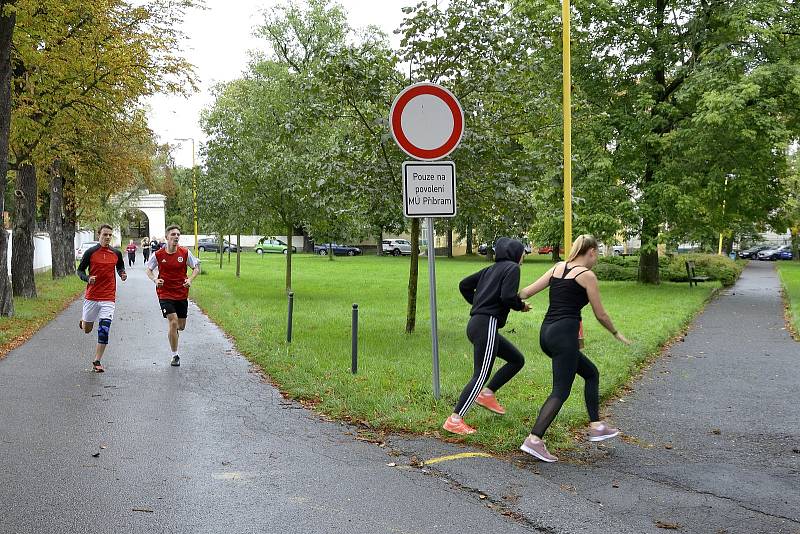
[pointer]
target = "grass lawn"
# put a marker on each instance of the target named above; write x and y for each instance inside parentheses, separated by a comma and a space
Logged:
(31, 314)
(790, 277)
(393, 387)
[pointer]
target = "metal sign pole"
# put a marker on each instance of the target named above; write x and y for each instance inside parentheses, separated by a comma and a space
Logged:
(434, 322)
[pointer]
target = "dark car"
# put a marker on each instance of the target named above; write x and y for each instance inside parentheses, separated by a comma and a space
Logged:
(484, 248)
(212, 245)
(752, 252)
(338, 250)
(781, 253)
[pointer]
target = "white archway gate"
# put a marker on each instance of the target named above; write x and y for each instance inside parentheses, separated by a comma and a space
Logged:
(153, 206)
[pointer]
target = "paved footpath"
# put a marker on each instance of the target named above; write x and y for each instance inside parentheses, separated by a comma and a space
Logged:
(211, 447)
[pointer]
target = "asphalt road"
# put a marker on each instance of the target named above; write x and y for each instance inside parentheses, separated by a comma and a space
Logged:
(712, 432)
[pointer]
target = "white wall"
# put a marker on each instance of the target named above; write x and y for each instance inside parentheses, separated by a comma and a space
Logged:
(42, 259)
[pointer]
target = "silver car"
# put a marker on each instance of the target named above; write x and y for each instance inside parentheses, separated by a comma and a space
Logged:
(396, 247)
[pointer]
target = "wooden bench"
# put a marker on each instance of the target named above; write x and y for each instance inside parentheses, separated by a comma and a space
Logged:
(693, 277)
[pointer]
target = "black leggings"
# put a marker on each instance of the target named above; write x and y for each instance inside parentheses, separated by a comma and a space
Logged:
(131, 258)
(559, 340)
(488, 344)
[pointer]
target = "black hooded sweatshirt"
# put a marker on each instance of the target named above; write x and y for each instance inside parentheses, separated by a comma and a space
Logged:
(494, 290)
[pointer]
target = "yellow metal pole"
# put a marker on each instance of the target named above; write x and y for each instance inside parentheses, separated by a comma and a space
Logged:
(567, 105)
(725, 192)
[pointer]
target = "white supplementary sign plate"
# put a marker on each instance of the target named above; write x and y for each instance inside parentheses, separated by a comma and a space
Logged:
(429, 189)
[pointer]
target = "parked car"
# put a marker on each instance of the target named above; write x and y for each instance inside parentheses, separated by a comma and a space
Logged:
(783, 252)
(83, 248)
(752, 252)
(616, 250)
(396, 247)
(549, 250)
(483, 248)
(338, 250)
(210, 244)
(272, 244)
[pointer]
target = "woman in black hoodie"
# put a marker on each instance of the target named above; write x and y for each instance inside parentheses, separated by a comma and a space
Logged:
(493, 292)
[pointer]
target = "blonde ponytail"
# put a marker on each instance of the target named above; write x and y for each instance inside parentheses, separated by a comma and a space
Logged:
(581, 246)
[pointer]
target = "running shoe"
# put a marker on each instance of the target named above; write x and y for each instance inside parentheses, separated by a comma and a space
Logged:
(538, 450)
(602, 432)
(457, 427)
(176, 361)
(490, 403)
(97, 367)
(80, 324)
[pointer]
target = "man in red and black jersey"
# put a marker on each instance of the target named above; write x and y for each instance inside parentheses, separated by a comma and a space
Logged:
(103, 263)
(172, 284)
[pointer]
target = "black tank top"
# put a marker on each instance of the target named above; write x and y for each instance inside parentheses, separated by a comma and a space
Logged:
(567, 297)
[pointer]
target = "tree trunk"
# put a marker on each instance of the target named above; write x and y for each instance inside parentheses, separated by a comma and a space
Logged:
(308, 245)
(795, 255)
(56, 222)
(229, 249)
(449, 239)
(469, 238)
(556, 254)
(22, 280)
(221, 249)
(413, 278)
(239, 254)
(330, 252)
(379, 252)
(289, 238)
(6, 32)
(648, 256)
(70, 222)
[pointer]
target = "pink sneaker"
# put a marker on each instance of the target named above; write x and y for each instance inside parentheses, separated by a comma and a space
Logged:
(538, 450)
(490, 403)
(458, 427)
(602, 432)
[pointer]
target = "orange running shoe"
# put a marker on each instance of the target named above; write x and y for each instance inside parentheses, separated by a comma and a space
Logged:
(457, 427)
(97, 366)
(490, 403)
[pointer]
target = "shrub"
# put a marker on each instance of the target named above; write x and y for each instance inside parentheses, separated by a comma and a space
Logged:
(672, 268)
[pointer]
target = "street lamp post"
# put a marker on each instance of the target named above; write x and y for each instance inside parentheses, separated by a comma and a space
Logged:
(194, 192)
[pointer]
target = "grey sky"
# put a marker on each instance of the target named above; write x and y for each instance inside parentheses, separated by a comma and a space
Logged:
(218, 42)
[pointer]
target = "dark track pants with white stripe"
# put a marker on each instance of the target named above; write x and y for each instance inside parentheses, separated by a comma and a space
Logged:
(488, 344)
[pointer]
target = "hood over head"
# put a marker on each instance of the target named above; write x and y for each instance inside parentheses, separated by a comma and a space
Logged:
(507, 249)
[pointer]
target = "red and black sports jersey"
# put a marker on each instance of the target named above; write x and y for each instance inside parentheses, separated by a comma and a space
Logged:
(172, 269)
(102, 263)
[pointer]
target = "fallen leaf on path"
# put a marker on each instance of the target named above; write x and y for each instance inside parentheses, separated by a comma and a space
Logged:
(668, 446)
(668, 526)
(146, 510)
(716, 431)
(392, 464)
(96, 455)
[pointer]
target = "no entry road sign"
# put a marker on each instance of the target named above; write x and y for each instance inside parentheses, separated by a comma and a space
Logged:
(427, 121)
(429, 189)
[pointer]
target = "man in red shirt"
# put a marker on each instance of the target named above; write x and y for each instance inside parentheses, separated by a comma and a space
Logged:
(172, 285)
(101, 290)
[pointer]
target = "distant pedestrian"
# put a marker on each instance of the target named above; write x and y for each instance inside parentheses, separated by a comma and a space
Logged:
(172, 285)
(131, 250)
(492, 293)
(99, 301)
(145, 244)
(572, 285)
(154, 245)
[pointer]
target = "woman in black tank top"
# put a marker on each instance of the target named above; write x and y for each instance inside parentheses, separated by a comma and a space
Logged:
(572, 286)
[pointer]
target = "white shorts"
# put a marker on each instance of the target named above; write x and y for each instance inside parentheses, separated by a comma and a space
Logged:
(93, 310)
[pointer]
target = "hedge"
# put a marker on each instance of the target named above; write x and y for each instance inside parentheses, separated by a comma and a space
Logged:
(672, 268)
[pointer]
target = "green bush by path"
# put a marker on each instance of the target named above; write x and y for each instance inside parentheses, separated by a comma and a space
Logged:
(393, 387)
(31, 314)
(672, 268)
(790, 278)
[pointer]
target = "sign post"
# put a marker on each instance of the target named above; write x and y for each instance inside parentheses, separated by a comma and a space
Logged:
(427, 123)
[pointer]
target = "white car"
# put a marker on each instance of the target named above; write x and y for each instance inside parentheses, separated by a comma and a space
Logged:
(83, 248)
(396, 247)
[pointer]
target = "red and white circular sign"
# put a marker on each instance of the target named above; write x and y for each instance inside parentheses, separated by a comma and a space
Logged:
(427, 121)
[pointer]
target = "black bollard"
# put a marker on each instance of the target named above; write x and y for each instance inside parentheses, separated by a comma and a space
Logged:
(289, 325)
(354, 362)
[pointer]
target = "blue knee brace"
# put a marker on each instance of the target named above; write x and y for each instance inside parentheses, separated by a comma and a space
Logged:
(102, 331)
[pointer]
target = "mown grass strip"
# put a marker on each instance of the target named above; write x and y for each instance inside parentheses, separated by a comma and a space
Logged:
(393, 388)
(789, 272)
(32, 314)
